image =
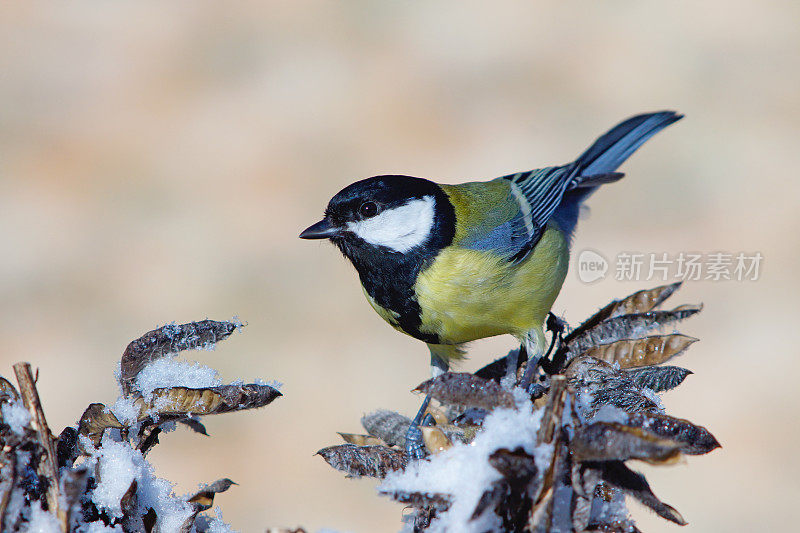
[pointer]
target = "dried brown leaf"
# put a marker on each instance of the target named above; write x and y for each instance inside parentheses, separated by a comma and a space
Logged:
(638, 302)
(628, 327)
(517, 466)
(693, 439)
(647, 351)
(499, 367)
(204, 498)
(607, 386)
(361, 440)
(658, 378)
(389, 426)
(611, 441)
(371, 461)
(616, 474)
(95, 420)
(183, 401)
(195, 425)
(167, 340)
(645, 300)
(467, 390)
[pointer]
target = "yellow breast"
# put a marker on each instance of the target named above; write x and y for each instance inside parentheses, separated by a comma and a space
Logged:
(468, 294)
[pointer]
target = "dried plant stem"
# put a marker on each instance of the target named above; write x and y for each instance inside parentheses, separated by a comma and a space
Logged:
(30, 397)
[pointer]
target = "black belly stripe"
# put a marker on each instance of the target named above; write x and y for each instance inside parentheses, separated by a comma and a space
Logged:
(391, 285)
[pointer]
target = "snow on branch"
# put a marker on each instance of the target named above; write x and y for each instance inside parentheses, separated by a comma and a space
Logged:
(553, 456)
(94, 477)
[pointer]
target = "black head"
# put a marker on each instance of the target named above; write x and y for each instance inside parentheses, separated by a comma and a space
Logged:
(384, 216)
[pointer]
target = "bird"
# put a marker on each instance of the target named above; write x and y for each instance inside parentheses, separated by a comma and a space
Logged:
(451, 264)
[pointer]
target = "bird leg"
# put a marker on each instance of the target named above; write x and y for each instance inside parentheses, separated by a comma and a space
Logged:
(556, 327)
(415, 447)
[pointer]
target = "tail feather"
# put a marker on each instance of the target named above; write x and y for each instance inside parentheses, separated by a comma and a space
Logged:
(614, 147)
(597, 164)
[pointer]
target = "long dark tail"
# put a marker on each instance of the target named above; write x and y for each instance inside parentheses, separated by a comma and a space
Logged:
(614, 147)
(597, 164)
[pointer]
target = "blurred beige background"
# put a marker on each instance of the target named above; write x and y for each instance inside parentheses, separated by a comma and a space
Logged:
(158, 161)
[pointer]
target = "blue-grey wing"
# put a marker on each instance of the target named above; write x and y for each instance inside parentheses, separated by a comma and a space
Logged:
(539, 193)
(505, 239)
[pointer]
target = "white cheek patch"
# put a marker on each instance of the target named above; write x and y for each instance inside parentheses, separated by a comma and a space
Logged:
(401, 228)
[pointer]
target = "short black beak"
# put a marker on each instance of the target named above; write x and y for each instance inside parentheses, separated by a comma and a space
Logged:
(320, 230)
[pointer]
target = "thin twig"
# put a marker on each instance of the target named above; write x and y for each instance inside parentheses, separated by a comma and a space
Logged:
(30, 397)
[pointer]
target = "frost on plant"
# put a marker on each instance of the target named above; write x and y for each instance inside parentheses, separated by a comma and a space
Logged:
(551, 453)
(95, 477)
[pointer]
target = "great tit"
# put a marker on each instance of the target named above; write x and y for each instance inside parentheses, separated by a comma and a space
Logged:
(449, 264)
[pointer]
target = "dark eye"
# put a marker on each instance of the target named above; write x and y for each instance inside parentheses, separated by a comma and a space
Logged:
(368, 209)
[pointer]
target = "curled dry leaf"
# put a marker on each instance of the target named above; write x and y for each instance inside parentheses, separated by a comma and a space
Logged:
(645, 300)
(517, 466)
(647, 351)
(204, 498)
(616, 474)
(167, 340)
(182, 401)
(628, 327)
(389, 426)
(658, 378)
(509, 498)
(361, 440)
(370, 461)
(467, 390)
(606, 385)
(95, 420)
(611, 441)
(692, 439)
(638, 302)
(195, 425)
(67, 447)
(499, 367)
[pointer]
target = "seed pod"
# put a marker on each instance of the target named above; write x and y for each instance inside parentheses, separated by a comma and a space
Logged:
(638, 302)
(371, 461)
(648, 351)
(628, 327)
(611, 441)
(387, 425)
(658, 378)
(467, 390)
